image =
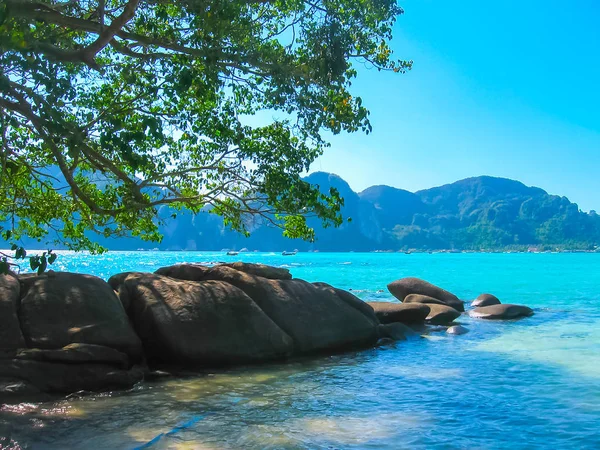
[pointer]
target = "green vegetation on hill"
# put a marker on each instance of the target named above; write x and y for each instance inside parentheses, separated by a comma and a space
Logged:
(481, 213)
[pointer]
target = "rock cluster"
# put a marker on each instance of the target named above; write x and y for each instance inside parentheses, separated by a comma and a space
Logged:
(66, 332)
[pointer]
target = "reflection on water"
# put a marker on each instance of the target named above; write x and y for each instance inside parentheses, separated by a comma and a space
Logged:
(532, 383)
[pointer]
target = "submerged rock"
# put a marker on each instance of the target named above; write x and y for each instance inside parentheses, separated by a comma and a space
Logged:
(457, 330)
(406, 286)
(501, 312)
(388, 312)
(441, 314)
(61, 308)
(485, 300)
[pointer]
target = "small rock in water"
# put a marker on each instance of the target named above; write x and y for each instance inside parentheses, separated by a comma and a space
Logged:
(485, 300)
(388, 312)
(457, 330)
(501, 312)
(441, 314)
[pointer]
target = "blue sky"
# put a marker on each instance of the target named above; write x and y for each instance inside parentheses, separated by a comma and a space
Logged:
(509, 89)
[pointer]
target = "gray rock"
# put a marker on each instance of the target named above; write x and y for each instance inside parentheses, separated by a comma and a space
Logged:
(396, 331)
(316, 319)
(425, 299)
(407, 313)
(485, 300)
(351, 300)
(457, 330)
(10, 329)
(441, 314)
(196, 272)
(504, 311)
(61, 308)
(261, 270)
(189, 272)
(201, 323)
(406, 286)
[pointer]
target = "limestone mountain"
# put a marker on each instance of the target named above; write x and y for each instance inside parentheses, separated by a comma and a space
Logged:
(475, 213)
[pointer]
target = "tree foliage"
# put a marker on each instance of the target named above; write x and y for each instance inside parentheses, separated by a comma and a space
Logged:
(112, 108)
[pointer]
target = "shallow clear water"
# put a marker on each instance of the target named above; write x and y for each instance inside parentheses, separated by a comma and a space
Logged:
(533, 383)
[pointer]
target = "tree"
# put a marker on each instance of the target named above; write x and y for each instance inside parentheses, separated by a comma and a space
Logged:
(110, 109)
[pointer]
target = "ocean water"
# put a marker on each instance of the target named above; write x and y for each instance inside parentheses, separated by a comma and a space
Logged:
(532, 383)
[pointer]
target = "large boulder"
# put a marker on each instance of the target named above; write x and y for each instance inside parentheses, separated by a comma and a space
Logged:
(10, 329)
(317, 319)
(61, 308)
(501, 312)
(441, 314)
(407, 313)
(406, 286)
(200, 323)
(485, 300)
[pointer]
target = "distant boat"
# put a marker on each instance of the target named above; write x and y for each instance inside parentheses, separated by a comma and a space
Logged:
(232, 253)
(284, 253)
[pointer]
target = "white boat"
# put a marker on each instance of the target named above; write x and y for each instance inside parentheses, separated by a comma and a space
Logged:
(232, 253)
(284, 253)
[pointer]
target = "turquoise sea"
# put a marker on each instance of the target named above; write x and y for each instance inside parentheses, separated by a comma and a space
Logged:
(528, 384)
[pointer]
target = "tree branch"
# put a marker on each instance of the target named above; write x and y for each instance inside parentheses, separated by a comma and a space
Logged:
(109, 33)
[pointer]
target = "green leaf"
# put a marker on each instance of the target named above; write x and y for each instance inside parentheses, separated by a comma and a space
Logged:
(43, 265)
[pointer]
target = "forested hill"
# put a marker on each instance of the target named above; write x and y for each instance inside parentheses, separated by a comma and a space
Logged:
(472, 214)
